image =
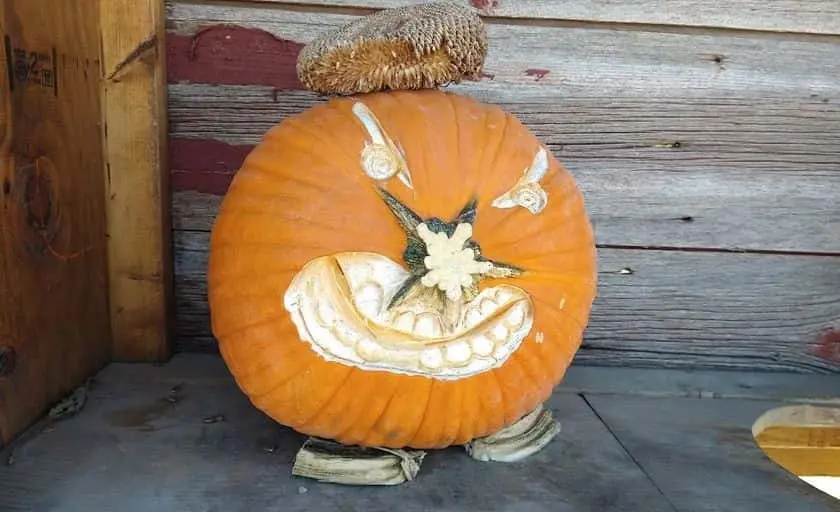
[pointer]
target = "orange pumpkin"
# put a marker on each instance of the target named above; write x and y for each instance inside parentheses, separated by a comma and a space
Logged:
(320, 216)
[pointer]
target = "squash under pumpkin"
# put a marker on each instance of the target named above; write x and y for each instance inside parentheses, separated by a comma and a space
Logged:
(403, 269)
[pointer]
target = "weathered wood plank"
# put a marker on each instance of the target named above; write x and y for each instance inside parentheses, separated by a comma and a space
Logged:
(54, 329)
(131, 450)
(670, 309)
(814, 16)
(716, 385)
(234, 44)
(747, 173)
(134, 88)
(703, 456)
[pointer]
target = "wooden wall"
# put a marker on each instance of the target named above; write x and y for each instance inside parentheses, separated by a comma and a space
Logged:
(705, 136)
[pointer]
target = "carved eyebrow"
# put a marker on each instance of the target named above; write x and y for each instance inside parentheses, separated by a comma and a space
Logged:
(370, 123)
(380, 147)
(527, 192)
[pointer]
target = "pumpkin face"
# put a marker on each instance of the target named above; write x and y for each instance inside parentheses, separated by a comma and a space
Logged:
(400, 269)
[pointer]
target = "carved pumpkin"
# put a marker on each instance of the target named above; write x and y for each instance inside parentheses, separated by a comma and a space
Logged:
(400, 269)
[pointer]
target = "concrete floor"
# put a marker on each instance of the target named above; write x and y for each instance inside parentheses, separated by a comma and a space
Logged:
(181, 437)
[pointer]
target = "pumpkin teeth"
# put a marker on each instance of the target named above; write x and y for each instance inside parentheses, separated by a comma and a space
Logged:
(482, 346)
(338, 304)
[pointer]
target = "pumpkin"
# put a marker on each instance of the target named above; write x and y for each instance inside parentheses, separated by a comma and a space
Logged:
(402, 269)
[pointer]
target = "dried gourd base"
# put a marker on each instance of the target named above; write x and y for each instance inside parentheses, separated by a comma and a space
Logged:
(518, 441)
(331, 462)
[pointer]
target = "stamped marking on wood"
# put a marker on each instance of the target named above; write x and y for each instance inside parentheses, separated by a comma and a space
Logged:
(31, 67)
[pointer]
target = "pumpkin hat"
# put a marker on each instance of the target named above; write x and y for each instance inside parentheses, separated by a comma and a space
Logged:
(412, 47)
(400, 268)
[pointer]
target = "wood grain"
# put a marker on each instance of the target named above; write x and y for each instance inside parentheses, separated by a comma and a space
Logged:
(53, 253)
(813, 16)
(749, 174)
(669, 309)
(532, 63)
(135, 132)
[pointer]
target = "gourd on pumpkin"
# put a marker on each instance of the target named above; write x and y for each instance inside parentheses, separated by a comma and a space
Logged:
(403, 269)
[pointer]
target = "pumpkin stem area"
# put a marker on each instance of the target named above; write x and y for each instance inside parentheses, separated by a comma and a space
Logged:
(442, 257)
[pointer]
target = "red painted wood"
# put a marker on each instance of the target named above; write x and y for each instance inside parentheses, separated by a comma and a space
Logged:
(828, 347)
(233, 55)
(205, 166)
(485, 4)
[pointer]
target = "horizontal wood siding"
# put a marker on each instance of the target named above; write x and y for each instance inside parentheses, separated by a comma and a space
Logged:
(710, 162)
(809, 16)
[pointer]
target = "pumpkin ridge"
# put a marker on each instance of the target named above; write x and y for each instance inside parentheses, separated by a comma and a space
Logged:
(487, 421)
(534, 365)
(301, 419)
(484, 202)
(455, 417)
(232, 351)
(433, 424)
(271, 157)
(256, 216)
(528, 380)
(239, 330)
(375, 422)
(479, 161)
(503, 402)
(288, 150)
(256, 396)
(509, 398)
(552, 308)
(425, 413)
(545, 233)
(337, 150)
(459, 182)
(402, 100)
(468, 411)
(303, 425)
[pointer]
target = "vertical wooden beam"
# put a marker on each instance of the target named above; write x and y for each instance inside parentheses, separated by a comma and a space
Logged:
(54, 328)
(134, 134)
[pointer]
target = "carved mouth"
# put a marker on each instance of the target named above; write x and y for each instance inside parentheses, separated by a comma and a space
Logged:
(339, 304)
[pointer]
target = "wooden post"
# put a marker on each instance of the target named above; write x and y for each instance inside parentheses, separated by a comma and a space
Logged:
(84, 250)
(136, 181)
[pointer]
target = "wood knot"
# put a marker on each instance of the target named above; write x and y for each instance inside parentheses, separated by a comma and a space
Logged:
(38, 199)
(8, 360)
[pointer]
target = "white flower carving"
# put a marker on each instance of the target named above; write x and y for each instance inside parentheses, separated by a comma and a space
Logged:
(451, 265)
